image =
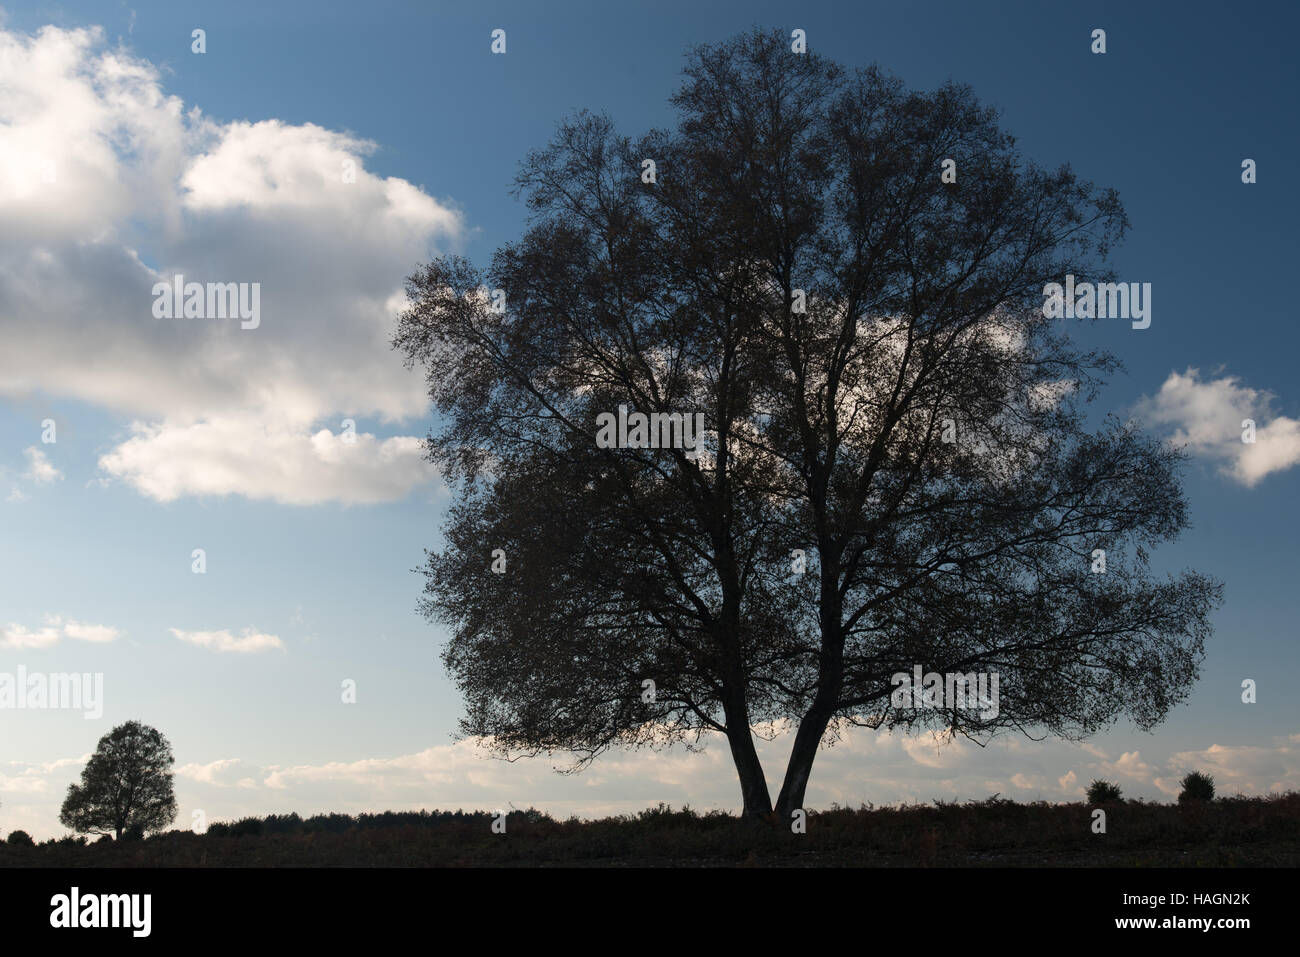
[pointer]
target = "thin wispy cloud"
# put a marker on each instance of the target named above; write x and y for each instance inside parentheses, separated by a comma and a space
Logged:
(19, 637)
(248, 641)
(39, 469)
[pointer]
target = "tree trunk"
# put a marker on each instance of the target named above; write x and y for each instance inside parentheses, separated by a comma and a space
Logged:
(753, 783)
(806, 741)
(830, 680)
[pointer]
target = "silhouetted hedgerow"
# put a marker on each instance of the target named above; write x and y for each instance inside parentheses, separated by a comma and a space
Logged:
(1237, 831)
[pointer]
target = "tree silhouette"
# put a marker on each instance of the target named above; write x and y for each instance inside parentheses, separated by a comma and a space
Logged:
(126, 784)
(884, 400)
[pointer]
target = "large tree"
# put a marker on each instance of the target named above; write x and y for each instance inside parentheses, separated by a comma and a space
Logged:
(881, 393)
(125, 786)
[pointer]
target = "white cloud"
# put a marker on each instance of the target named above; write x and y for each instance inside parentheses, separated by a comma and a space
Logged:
(1206, 415)
(1130, 764)
(1027, 782)
(110, 185)
(99, 634)
(1241, 768)
(17, 637)
(39, 469)
(247, 456)
(214, 772)
(58, 764)
(247, 642)
(934, 750)
(864, 766)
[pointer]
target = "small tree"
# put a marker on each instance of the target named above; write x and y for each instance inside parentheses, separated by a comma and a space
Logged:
(1103, 792)
(21, 839)
(1197, 787)
(126, 784)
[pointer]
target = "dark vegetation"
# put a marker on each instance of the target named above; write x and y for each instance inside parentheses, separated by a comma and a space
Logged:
(1229, 832)
(126, 786)
(1103, 792)
(1197, 786)
(866, 344)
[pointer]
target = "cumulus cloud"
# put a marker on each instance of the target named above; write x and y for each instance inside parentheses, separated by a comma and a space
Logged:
(1246, 769)
(1241, 768)
(247, 456)
(1207, 416)
(1129, 765)
(110, 185)
(17, 637)
(864, 766)
(1069, 784)
(219, 772)
(247, 641)
(1027, 782)
(23, 784)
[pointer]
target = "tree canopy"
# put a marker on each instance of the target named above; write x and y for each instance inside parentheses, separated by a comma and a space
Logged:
(125, 786)
(897, 466)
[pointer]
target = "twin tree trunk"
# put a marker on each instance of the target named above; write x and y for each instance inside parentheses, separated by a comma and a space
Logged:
(753, 783)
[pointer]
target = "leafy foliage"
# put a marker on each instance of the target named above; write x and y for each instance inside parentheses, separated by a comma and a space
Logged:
(126, 786)
(1103, 792)
(1197, 786)
(790, 182)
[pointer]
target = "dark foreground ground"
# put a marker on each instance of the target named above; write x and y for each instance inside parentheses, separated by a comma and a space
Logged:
(1232, 832)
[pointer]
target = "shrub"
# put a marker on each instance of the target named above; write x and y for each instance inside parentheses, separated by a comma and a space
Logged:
(1103, 792)
(328, 823)
(250, 826)
(665, 816)
(1197, 787)
(282, 823)
(218, 829)
(133, 833)
(21, 839)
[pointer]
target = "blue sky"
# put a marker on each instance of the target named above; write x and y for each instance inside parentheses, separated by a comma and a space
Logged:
(98, 527)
